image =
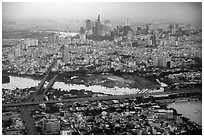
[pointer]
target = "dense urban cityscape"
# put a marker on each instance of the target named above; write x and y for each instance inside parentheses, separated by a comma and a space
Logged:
(103, 79)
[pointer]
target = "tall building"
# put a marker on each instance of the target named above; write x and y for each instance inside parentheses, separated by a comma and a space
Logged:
(126, 29)
(88, 24)
(97, 27)
(153, 39)
(82, 33)
(19, 51)
(98, 18)
(107, 25)
(162, 61)
(65, 55)
(82, 30)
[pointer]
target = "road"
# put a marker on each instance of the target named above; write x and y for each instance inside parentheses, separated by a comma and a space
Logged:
(100, 98)
(27, 107)
(29, 121)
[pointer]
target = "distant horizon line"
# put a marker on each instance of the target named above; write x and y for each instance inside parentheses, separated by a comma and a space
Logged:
(130, 21)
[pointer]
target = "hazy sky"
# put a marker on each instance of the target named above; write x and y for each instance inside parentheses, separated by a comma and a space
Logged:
(168, 11)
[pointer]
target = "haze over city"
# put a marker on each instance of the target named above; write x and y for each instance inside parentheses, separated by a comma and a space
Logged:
(134, 11)
(119, 68)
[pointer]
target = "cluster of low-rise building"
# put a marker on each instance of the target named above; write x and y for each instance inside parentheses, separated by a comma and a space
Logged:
(10, 96)
(126, 53)
(185, 78)
(12, 123)
(132, 49)
(121, 117)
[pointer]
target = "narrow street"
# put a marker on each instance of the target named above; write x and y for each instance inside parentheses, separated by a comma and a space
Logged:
(27, 118)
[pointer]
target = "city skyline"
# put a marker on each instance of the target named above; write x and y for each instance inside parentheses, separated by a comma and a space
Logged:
(172, 12)
(108, 68)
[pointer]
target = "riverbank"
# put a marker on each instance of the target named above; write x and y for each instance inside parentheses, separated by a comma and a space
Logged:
(21, 83)
(132, 116)
(26, 82)
(96, 81)
(108, 79)
(98, 89)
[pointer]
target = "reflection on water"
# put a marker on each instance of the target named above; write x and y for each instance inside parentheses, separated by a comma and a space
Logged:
(191, 110)
(19, 82)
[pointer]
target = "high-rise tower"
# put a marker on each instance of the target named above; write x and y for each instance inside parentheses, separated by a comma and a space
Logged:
(88, 24)
(98, 18)
(97, 27)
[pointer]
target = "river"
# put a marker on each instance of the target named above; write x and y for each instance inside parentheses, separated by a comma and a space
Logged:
(27, 82)
(191, 110)
(22, 82)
